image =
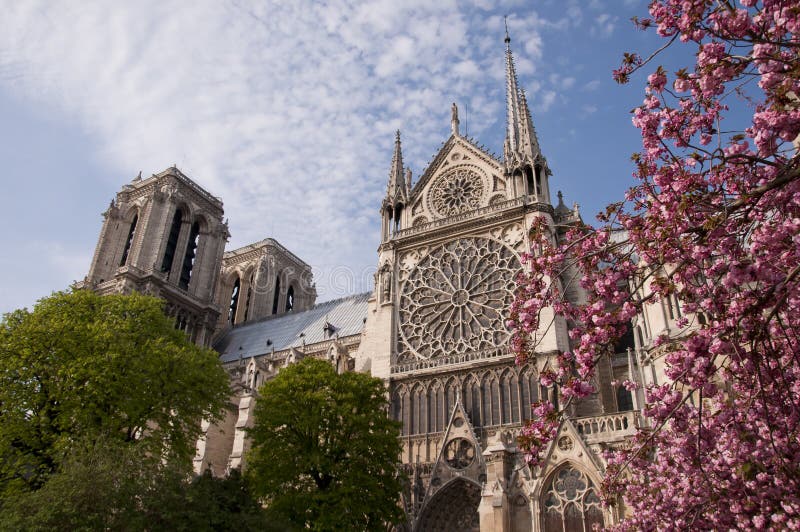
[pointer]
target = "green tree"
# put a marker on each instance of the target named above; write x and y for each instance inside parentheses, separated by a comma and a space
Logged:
(324, 452)
(107, 484)
(82, 367)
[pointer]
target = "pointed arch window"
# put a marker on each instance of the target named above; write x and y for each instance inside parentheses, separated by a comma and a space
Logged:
(397, 213)
(472, 402)
(449, 400)
(129, 241)
(537, 175)
(418, 421)
(435, 407)
(277, 294)
(172, 241)
(189, 256)
(249, 294)
(529, 387)
(289, 299)
(234, 301)
(624, 399)
(529, 181)
(397, 408)
(509, 398)
(570, 502)
(491, 401)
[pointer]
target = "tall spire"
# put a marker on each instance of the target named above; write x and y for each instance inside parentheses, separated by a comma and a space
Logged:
(397, 184)
(523, 157)
(512, 98)
(521, 142)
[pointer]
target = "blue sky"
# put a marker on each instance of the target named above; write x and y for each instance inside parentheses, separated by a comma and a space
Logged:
(287, 111)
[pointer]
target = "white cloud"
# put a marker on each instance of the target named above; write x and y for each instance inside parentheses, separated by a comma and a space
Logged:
(286, 110)
(603, 25)
(592, 85)
(545, 101)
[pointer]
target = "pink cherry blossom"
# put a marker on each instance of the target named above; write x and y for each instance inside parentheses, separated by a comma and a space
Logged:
(714, 222)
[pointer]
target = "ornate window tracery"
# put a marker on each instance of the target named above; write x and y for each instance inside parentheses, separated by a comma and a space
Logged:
(425, 406)
(571, 502)
(453, 300)
(458, 191)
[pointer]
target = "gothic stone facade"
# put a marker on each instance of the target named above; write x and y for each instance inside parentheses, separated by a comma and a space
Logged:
(433, 327)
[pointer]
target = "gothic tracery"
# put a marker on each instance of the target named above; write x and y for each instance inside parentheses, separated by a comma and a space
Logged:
(458, 191)
(453, 301)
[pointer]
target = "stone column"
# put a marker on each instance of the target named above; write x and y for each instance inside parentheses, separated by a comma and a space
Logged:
(494, 509)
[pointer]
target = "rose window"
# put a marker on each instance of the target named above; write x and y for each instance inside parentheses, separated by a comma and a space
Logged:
(457, 192)
(459, 453)
(455, 299)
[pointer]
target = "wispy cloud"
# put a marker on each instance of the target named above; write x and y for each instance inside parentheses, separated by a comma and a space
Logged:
(604, 25)
(286, 110)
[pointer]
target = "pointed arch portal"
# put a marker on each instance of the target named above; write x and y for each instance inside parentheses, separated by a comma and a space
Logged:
(454, 507)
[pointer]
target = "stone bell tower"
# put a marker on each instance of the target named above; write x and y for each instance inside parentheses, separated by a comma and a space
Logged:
(164, 236)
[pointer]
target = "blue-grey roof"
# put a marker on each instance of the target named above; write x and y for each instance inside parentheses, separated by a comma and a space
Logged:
(347, 316)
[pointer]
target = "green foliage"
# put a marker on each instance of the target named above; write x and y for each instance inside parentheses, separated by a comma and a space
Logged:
(82, 367)
(114, 485)
(324, 452)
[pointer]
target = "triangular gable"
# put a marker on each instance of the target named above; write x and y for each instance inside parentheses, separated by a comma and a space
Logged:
(569, 446)
(440, 160)
(454, 454)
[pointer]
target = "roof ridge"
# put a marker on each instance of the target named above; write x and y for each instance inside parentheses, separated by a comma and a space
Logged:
(300, 313)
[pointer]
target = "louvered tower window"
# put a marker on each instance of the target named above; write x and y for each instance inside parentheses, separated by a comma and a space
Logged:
(188, 257)
(172, 241)
(129, 241)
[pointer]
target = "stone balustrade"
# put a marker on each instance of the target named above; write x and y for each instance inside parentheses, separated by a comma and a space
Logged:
(608, 428)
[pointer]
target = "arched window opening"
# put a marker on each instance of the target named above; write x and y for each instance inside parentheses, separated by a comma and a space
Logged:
(624, 399)
(290, 299)
(397, 408)
(276, 297)
(518, 181)
(449, 400)
(530, 187)
(172, 241)
(625, 341)
(701, 318)
(538, 179)
(249, 295)
(406, 413)
(529, 385)
(397, 213)
(509, 401)
(472, 402)
(234, 301)
(421, 412)
(570, 502)
(129, 241)
(181, 322)
(439, 409)
(491, 401)
(189, 256)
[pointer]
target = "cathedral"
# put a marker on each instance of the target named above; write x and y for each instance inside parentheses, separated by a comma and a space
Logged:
(433, 327)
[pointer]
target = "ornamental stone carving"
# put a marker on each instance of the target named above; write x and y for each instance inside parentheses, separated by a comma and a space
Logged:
(453, 300)
(460, 190)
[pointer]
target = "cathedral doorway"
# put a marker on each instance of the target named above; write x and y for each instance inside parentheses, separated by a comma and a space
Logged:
(454, 507)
